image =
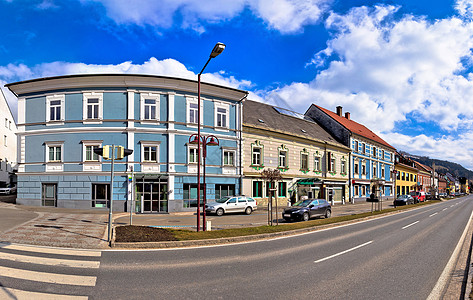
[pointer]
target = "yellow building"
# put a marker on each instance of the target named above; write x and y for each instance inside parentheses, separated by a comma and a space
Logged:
(406, 178)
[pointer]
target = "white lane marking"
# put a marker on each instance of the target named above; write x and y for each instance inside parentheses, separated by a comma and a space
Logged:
(410, 225)
(48, 277)
(8, 293)
(445, 208)
(49, 250)
(343, 252)
(445, 276)
(452, 205)
(50, 261)
(433, 214)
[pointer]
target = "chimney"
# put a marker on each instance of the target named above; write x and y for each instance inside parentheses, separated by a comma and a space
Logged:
(339, 111)
(347, 115)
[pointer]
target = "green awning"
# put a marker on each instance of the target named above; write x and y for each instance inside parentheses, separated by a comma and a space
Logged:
(307, 181)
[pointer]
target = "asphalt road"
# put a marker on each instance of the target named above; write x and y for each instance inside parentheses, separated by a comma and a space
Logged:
(398, 256)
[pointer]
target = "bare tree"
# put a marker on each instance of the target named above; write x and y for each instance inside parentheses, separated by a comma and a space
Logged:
(271, 176)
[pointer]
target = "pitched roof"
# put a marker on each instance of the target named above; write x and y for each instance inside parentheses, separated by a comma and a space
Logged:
(355, 127)
(267, 117)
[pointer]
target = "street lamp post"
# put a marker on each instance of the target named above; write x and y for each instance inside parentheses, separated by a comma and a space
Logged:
(218, 48)
(205, 141)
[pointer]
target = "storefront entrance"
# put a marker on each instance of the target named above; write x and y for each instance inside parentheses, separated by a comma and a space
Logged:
(152, 195)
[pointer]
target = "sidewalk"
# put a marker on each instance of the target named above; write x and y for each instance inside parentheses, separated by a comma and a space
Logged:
(60, 227)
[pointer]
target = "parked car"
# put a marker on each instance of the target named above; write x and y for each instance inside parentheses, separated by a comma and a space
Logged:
(306, 209)
(428, 196)
(418, 196)
(231, 204)
(404, 200)
(8, 190)
(443, 195)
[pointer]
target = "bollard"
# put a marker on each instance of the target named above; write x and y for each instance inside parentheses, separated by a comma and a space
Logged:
(209, 225)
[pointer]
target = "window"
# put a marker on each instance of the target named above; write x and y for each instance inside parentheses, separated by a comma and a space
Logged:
(149, 103)
(5, 140)
(382, 154)
(363, 169)
(282, 189)
(304, 161)
(222, 190)
(257, 189)
(100, 195)
(398, 176)
(54, 153)
(193, 113)
(403, 176)
(343, 166)
(9, 125)
(190, 195)
(356, 170)
(363, 148)
(256, 156)
(93, 107)
(150, 153)
(357, 190)
(221, 115)
(382, 171)
(269, 187)
(228, 158)
(192, 155)
(363, 190)
(317, 163)
(375, 174)
(282, 158)
(356, 146)
(90, 155)
(193, 110)
(6, 123)
(54, 108)
(332, 164)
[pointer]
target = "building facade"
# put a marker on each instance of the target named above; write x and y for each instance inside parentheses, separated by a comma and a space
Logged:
(63, 119)
(371, 159)
(407, 173)
(8, 144)
(311, 162)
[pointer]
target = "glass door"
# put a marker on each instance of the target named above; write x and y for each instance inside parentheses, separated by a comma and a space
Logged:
(49, 195)
(154, 195)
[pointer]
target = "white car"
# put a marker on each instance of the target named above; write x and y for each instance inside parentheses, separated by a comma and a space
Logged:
(8, 190)
(229, 204)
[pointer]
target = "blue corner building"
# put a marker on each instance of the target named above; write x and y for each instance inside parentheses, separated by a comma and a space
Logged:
(61, 120)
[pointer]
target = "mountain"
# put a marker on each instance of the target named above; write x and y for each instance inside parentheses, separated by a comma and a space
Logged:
(442, 166)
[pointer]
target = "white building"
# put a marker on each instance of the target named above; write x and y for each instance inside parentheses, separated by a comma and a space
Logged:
(8, 143)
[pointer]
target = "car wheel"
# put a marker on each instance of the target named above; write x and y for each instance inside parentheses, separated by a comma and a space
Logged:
(305, 217)
(248, 210)
(220, 212)
(328, 213)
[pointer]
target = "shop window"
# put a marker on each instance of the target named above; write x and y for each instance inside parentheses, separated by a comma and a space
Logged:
(282, 189)
(257, 189)
(190, 195)
(222, 190)
(100, 195)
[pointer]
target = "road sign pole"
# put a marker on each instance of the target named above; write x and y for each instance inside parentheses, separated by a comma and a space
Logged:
(111, 198)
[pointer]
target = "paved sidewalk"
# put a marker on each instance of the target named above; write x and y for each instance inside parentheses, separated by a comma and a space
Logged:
(53, 227)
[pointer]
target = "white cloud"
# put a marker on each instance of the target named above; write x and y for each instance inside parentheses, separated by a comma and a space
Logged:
(166, 67)
(286, 16)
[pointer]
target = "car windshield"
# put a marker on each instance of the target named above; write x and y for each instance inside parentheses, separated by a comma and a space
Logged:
(402, 197)
(303, 203)
(223, 199)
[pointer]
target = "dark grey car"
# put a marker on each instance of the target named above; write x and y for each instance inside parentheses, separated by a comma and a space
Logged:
(306, 209)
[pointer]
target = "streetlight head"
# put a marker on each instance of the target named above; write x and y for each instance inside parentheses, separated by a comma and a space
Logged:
(219, 47)
(194, 140)
(212, 142)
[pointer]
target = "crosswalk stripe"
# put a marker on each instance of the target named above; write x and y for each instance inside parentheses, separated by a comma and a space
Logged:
(8, 293)
(48, 277)
(50, 261)
(48, 250)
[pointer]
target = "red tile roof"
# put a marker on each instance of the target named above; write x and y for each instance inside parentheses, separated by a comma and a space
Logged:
(355, 127)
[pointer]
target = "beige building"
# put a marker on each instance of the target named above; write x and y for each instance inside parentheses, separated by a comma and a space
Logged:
(8, 144)
(311, 162)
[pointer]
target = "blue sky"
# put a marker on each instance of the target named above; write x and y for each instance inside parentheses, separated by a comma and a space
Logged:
(402, 68)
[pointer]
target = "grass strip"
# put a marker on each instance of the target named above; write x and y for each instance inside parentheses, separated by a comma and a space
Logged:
(185, 235)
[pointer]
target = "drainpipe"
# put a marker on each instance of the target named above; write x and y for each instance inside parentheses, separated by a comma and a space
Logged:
(240, 121)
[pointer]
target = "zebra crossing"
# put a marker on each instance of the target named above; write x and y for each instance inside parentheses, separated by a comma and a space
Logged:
(35, 272)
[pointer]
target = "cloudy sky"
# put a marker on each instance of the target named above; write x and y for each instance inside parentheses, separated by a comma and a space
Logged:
(403, 68)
